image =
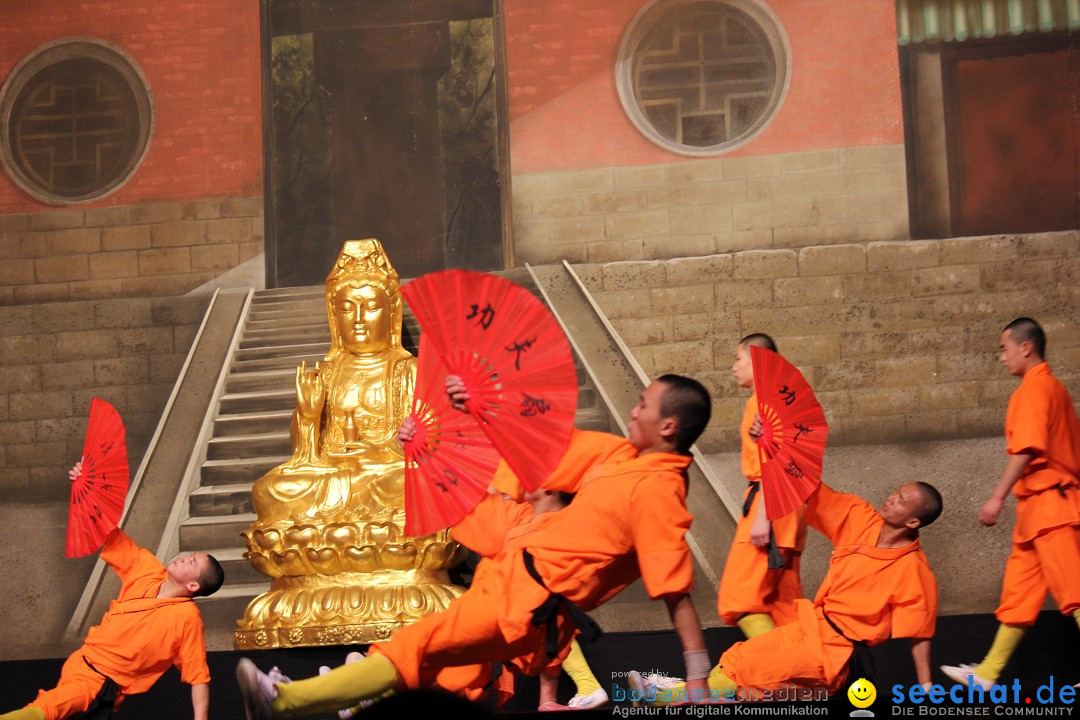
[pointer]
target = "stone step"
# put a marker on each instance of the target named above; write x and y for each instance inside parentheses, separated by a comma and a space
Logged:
(206, 534)
(221, 500)
(248, 402)
(593, 419)
(279, 294)
(313, 331)
(282, 350)
(289, 362)
(248, 446)
(237, 470)
(238, 571)
(252, 423)
(256, 380)
(285, 337)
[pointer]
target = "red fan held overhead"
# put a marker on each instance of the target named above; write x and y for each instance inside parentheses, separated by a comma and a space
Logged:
(98, 494)
(792, 443)
(514, 359)
(449, 462)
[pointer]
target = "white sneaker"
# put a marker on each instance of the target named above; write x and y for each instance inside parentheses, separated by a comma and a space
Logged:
(960, 673)
(648, 687)
(257, 689)
(594, 699)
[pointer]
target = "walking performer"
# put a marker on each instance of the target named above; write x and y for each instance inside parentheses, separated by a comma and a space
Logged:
(879, 586)
(151, 625)
(1043, 443)
(761, 577)
(628, 520)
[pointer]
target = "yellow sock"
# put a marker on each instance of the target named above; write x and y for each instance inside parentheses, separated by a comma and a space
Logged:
(722, 687)
(30, 712)
(754, 624)
(342, 687)
(1006, 640)
(1076, 615)
(578, 669)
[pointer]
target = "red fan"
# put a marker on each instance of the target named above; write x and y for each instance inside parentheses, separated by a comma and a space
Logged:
(514, 359)
(98, 494)
(792, 444)
(449, 463)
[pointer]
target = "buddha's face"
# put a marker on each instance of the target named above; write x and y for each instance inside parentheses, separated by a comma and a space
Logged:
(363, 318)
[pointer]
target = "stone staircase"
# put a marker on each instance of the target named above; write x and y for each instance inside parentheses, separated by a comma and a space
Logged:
(251, 434)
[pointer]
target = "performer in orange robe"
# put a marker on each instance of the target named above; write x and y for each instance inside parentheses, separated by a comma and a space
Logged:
(152, 625)
(1043, 442)
(760, 582)
(879, 586)
(628, 520)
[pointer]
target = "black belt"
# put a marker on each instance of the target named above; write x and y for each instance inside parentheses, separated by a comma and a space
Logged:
(547, 613)
(776, 558)
(861, 664)
(101, 707)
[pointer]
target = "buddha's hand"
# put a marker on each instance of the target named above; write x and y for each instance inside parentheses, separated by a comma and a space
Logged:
(457, 392)
(407, 431)
(310, 391)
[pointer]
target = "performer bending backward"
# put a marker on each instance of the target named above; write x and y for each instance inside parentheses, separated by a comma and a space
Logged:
(1043, 442)
(879, 586)
(761, 576)
(629, 520)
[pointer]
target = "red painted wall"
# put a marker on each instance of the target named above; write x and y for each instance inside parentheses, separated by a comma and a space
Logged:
(565, 112)
(201, 60)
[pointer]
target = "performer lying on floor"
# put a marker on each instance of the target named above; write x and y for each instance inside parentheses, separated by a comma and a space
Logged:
(151, 625)
(628, 520)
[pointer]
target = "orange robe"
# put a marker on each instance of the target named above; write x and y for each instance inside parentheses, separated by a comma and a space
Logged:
(1041, 421)
(748, 585)
(871, 594)
(628, 521)
(138, 639)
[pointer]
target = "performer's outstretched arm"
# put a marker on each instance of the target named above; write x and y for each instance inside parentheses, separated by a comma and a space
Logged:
(684, 619)
(200, 700)
(920, 653)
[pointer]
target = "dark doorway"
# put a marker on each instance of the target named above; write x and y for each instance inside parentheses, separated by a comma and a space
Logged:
(383, 120)
(993, 135)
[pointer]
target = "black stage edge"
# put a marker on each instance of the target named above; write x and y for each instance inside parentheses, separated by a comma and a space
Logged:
(1051, 648)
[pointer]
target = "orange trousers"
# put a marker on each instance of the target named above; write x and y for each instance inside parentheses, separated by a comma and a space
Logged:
(749, 586)
(1049, 562)
(76, 689)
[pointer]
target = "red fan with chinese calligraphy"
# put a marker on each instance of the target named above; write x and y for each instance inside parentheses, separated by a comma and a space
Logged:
(514, 359)
(792, 444)
(449, 462)
(98, 494)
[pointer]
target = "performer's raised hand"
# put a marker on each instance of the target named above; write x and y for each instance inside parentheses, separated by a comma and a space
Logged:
(458, 393)
(407, 431)
(757, 428)
(75, 472)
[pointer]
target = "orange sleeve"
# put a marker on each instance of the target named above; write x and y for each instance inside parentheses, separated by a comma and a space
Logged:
(587, 449)
(659, 522)
(1027, 423)
(191, 655)
(751, 458)
(842, 518)
(127, 559)
(484, 529)
(914, 612)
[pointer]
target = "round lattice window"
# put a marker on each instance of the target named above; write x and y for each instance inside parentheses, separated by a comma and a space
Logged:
(76, 117)
(701, 77)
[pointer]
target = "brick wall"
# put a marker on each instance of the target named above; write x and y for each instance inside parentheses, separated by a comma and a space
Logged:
(150, 249)
(708, 206)
(201, 60)
(55, 358)
(898, 339)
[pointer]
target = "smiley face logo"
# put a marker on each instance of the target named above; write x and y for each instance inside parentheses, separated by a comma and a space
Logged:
(862, 693)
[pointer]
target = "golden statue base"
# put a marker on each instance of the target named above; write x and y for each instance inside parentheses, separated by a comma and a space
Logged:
(344, 609)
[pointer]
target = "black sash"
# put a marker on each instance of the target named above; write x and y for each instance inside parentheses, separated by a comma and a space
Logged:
(776, 558)
(547, 613)
(101, 707)
(861, 664)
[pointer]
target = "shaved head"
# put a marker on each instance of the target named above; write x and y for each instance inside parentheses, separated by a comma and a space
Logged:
(1024, 329)
(932, 504)
(760, 340)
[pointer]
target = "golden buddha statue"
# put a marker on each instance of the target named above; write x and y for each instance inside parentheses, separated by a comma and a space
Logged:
(330, 527)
